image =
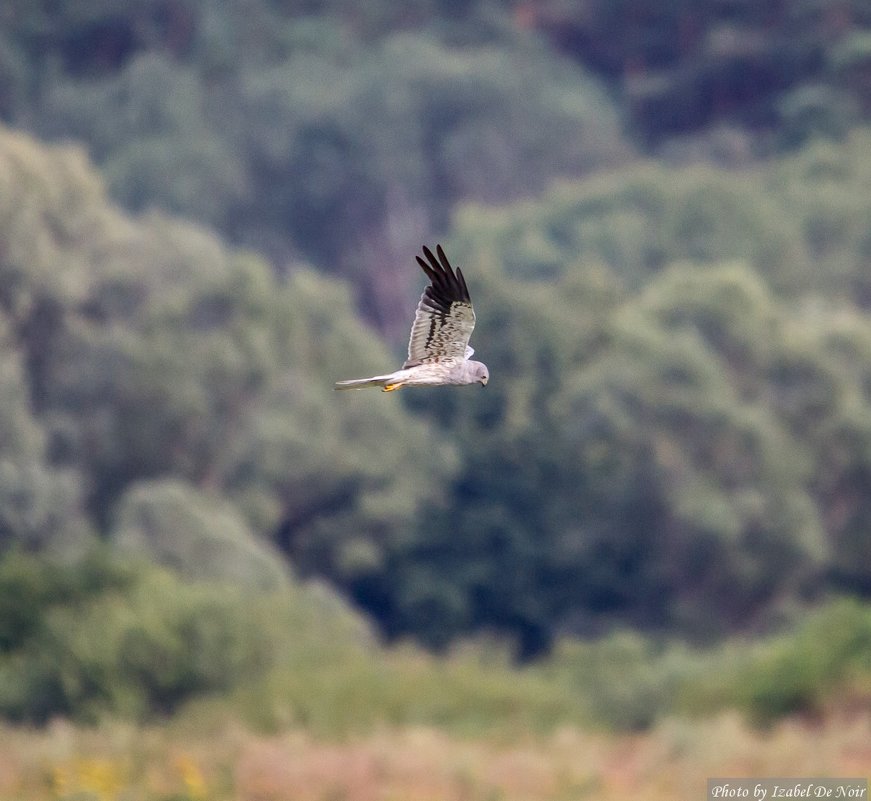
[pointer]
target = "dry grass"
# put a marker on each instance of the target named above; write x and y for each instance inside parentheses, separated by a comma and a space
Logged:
(170, 763)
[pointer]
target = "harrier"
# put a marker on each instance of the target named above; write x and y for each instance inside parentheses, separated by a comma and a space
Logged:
(438, 349)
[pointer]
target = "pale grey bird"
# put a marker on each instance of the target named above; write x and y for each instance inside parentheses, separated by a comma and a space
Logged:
(438, 349)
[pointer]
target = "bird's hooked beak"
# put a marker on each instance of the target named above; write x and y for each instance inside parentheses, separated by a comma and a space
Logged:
(484, 381)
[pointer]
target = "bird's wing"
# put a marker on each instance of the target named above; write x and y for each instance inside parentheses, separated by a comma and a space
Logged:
(444, 319)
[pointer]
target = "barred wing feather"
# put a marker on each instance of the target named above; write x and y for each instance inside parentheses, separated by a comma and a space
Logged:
(445, 319)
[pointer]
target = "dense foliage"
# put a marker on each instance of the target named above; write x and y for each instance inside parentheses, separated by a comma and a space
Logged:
(305, 134)
(788, 71)
(666, 235)
(346, 135)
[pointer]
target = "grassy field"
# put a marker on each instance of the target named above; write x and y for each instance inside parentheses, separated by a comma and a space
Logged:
(173, 762)
(338, 717)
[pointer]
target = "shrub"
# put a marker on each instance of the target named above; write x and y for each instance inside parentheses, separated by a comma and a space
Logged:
(802, 670)
(84, 641)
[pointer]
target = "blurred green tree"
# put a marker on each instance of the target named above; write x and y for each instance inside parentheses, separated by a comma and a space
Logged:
(644, 461)
(153, 352)
(640, 220)
(195, 534)
(340, 482)
(325, 132)
(40, 506)
(134, 650)
(684, 66)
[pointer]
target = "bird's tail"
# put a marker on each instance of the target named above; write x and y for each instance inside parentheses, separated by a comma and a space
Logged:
(362, 383)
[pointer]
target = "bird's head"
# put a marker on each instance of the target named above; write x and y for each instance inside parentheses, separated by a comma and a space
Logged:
(482, 374)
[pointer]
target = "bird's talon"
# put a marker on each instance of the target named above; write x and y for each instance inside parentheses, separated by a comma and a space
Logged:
(391, 387)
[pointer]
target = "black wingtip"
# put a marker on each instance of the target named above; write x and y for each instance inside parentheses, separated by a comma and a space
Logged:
(447, 286)
(443, 259)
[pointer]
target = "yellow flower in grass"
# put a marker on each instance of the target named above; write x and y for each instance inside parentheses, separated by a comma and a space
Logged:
(192, 777)
(99, 778)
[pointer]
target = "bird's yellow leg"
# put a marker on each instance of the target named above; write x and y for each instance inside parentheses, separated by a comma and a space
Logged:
(391, 387)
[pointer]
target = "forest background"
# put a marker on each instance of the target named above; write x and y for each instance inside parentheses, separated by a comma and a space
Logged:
(660, 505)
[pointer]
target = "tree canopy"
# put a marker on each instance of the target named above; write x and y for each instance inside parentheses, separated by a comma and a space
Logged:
(161, 353)
(209, 212)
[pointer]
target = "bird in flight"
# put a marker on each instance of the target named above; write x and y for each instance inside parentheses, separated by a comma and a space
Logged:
(438, 348)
